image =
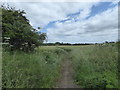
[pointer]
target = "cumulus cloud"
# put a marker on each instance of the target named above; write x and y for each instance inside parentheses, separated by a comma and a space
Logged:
(102, 27)
(42, 13)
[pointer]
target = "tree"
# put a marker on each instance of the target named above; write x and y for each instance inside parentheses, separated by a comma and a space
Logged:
(106, 41)
(21, 34)
(57, 43)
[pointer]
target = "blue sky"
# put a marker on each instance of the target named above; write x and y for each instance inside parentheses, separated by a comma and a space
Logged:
(103, 6)
(73, 22)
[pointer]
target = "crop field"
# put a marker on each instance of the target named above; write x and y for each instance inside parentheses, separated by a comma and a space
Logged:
(94, 66)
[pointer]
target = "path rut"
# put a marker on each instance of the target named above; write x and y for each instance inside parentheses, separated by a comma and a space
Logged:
(66, 80)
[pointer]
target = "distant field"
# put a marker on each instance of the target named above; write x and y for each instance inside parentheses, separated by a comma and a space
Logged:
(95, 66)
(67, 46)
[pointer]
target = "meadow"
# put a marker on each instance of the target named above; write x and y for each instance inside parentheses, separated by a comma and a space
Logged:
(39, 69)
(95, 66)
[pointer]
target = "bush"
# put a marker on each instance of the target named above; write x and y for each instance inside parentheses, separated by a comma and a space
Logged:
(17, 31)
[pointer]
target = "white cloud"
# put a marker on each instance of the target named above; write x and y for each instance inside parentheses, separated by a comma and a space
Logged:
(59, 0)
(102, 27)
(41, 13)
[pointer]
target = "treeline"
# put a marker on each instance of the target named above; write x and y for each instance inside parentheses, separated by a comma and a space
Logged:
(17, 33)
(54, 44)
(61, 43)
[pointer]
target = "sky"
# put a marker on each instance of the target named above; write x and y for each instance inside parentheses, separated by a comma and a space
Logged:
(73, 22)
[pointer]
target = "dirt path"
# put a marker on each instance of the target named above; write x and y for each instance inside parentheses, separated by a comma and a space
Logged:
(66, 80)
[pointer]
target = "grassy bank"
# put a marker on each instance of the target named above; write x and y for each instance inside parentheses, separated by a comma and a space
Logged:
(96, 66)
(32, 70)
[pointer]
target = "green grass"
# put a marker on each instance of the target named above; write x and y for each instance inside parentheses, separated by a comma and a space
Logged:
(34, 70)
(96, 66)
(0, 65)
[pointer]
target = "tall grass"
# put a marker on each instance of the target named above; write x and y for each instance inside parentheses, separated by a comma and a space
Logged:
(96, 66)
(0, 65)
(32, 70)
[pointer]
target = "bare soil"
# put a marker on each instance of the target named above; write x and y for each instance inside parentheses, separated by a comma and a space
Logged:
(66, 80)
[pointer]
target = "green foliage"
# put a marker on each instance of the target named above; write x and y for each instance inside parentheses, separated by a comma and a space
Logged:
(21, 34)
(96, 66)
(32, 70)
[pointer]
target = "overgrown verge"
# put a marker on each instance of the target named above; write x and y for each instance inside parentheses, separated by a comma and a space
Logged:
(96, 66)
(31, 70)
